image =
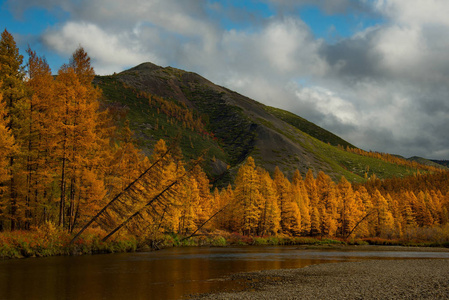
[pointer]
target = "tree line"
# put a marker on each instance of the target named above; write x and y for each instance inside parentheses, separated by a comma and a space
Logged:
(316, 206)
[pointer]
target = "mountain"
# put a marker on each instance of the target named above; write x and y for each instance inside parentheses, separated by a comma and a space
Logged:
(163, 102)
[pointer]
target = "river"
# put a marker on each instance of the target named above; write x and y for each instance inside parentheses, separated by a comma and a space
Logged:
(167, 274)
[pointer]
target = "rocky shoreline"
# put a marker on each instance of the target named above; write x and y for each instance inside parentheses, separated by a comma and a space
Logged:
(368, 279)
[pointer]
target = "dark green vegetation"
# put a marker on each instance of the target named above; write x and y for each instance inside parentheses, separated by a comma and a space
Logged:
(231, 126)
(441, 162)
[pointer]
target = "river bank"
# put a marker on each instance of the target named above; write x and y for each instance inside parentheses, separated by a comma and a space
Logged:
(369, 279)
(50, 240)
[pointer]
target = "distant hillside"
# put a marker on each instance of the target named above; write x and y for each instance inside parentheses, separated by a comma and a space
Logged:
(441, 162)
(163, 102)
(427, 162)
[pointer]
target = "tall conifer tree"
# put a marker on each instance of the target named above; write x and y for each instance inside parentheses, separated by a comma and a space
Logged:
(14, 94)
(7, 148)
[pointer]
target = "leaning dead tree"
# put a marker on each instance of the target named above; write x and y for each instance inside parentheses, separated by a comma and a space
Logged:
(127, 189)
(145, 200)
(358, 223)
(207, 221)
(148, 209)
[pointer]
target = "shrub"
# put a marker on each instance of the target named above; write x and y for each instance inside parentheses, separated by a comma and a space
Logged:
(260, 241)
(218, 241)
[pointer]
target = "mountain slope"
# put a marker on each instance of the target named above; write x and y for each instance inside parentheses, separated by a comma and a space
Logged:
(424, 161)
(231, 126)
(444, 163)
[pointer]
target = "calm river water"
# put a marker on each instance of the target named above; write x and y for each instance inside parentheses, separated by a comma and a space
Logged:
(167, 274)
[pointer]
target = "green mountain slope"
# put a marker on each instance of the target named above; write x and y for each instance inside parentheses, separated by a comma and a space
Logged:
(231, 126)
(308, 127)
(425, 161)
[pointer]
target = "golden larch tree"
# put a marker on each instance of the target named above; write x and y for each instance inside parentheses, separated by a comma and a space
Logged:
(347, 210)
(302, 199)
(327, 204)
(7, 148)
(248, 196)
(270, 218)
(290, 215)
(14, 94)
(80, 181)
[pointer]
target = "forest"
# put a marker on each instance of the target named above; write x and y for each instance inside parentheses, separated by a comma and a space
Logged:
(70, 173)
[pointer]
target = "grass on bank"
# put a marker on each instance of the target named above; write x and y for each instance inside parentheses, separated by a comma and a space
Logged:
(49, 240)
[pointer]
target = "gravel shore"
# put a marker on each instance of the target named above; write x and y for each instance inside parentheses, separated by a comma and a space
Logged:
(369, 279)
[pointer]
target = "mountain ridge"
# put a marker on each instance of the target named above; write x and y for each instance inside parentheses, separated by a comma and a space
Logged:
(236, 126)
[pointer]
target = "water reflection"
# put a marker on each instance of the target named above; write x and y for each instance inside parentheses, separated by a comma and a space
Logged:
(166, 274)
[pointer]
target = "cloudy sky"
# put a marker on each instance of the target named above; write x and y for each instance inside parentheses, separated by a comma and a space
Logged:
(375, 72)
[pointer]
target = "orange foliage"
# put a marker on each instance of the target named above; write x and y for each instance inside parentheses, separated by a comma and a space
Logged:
(64, 152)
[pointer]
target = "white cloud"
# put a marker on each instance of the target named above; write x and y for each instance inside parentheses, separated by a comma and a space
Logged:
(384, 88)
(108, 51)
(401, 47)
(415, 12)
(328, 104)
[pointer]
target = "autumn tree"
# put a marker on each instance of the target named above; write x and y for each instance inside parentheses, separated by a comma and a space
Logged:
(393, 207)
(349, 212)
(228, 219)
(327, 204)
(6, 144)
(164, 214)
(363, 202)
(126, 161)
(189, 203)
(37, 140)
(249, 198)
(79, 144)
(302, 199)
(315, 224)
(205, 208)
(270, 214)
(384, 223)
(422, 214)
(14, 94)
(7, 148)
(290, 215)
